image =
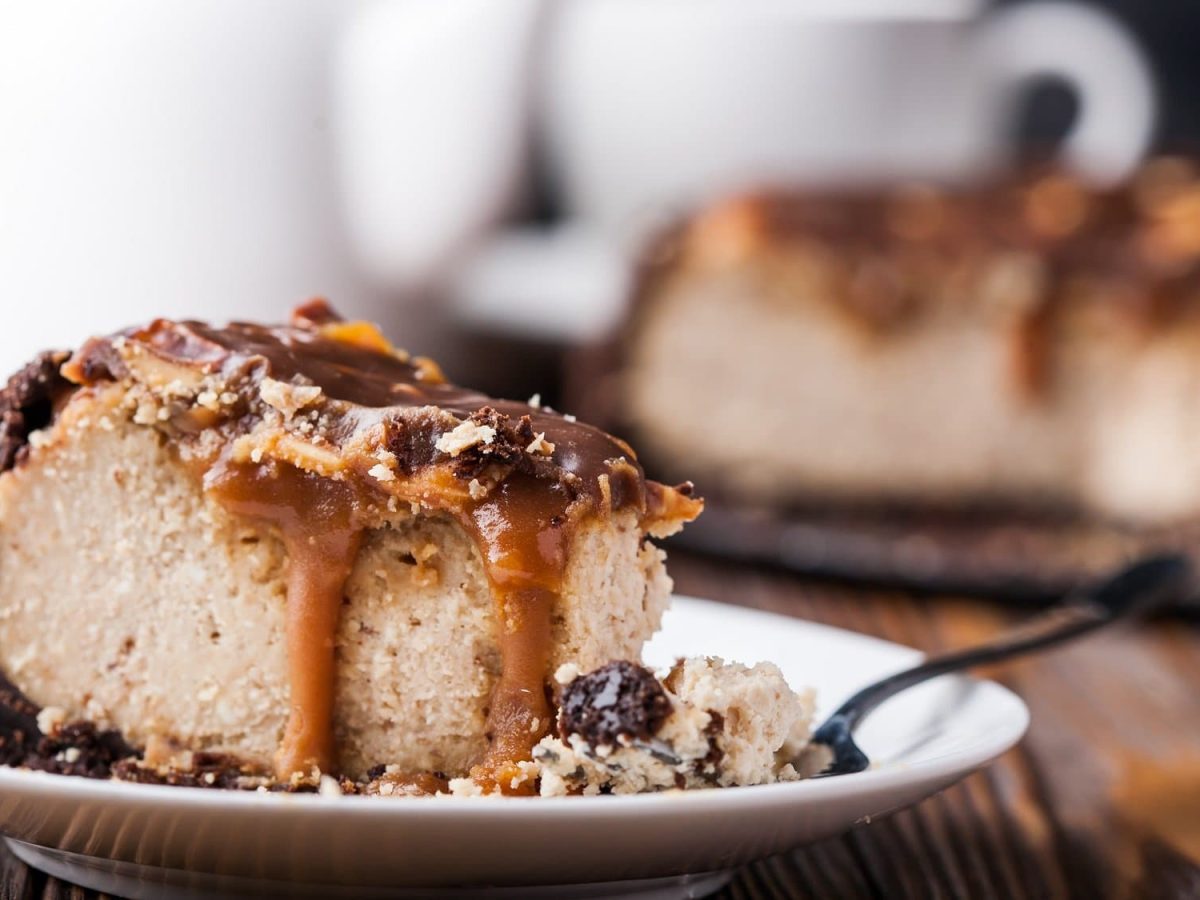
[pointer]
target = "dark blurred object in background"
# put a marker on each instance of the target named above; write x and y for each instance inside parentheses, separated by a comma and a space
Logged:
(1169, 31)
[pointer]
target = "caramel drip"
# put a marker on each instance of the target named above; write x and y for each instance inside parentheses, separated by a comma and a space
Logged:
(1029, 355)
(315, 518)
(519, 714)
(522, 529)
(318, 567)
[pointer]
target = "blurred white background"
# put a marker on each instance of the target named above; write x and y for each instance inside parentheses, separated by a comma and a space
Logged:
(227, 160)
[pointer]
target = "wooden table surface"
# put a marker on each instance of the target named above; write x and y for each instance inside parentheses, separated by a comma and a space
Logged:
(1102, 799)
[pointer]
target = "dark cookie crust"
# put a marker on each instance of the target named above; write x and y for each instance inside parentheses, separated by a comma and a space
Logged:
(78, 748)
(618, 700)
(209, 770)
(19, 734)
(27, 403)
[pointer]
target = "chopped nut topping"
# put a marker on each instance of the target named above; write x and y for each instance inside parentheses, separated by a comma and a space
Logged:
(145, 414)
(467, 434)
(566, 673)
(288, 398)
(209, 400)
(380, 472)
(51, 719)
(540, 445)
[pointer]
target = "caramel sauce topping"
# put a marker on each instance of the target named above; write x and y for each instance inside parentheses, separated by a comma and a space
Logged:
(322, 429)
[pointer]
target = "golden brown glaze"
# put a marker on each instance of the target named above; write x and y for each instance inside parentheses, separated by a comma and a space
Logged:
(319, 429)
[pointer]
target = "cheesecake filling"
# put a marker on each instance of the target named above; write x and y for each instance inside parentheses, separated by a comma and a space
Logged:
(322, 429)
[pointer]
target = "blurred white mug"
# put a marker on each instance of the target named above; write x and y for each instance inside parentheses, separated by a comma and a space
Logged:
(661, 103)
(227, 159)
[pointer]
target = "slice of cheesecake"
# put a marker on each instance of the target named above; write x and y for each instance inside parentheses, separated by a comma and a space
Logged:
(1030, 346)
(258, 555)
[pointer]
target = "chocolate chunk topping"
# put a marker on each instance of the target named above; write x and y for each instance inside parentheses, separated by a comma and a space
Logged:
(27, 403)
(315, 313)
(618, 700)
(507, 450)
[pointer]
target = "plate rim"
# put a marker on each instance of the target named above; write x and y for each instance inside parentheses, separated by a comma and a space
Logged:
(953, 764)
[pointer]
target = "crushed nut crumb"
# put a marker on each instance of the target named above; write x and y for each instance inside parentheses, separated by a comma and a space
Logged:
(540, 445)
(145, 414)
(209, 400)
(466, 434)
(50, 719)
(380, 472)
(566, 673)
(288, 398)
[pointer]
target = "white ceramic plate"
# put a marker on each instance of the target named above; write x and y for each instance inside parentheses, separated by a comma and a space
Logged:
(151, 841)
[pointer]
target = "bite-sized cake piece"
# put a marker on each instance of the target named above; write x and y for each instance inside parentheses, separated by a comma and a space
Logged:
(706, 723)
(257, 555)
(1032, 345)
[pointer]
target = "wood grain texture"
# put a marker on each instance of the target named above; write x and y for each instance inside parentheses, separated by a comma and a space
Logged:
(1101, 800)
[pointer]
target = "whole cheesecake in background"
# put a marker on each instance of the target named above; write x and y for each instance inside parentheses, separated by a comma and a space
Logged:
(1032, 346)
